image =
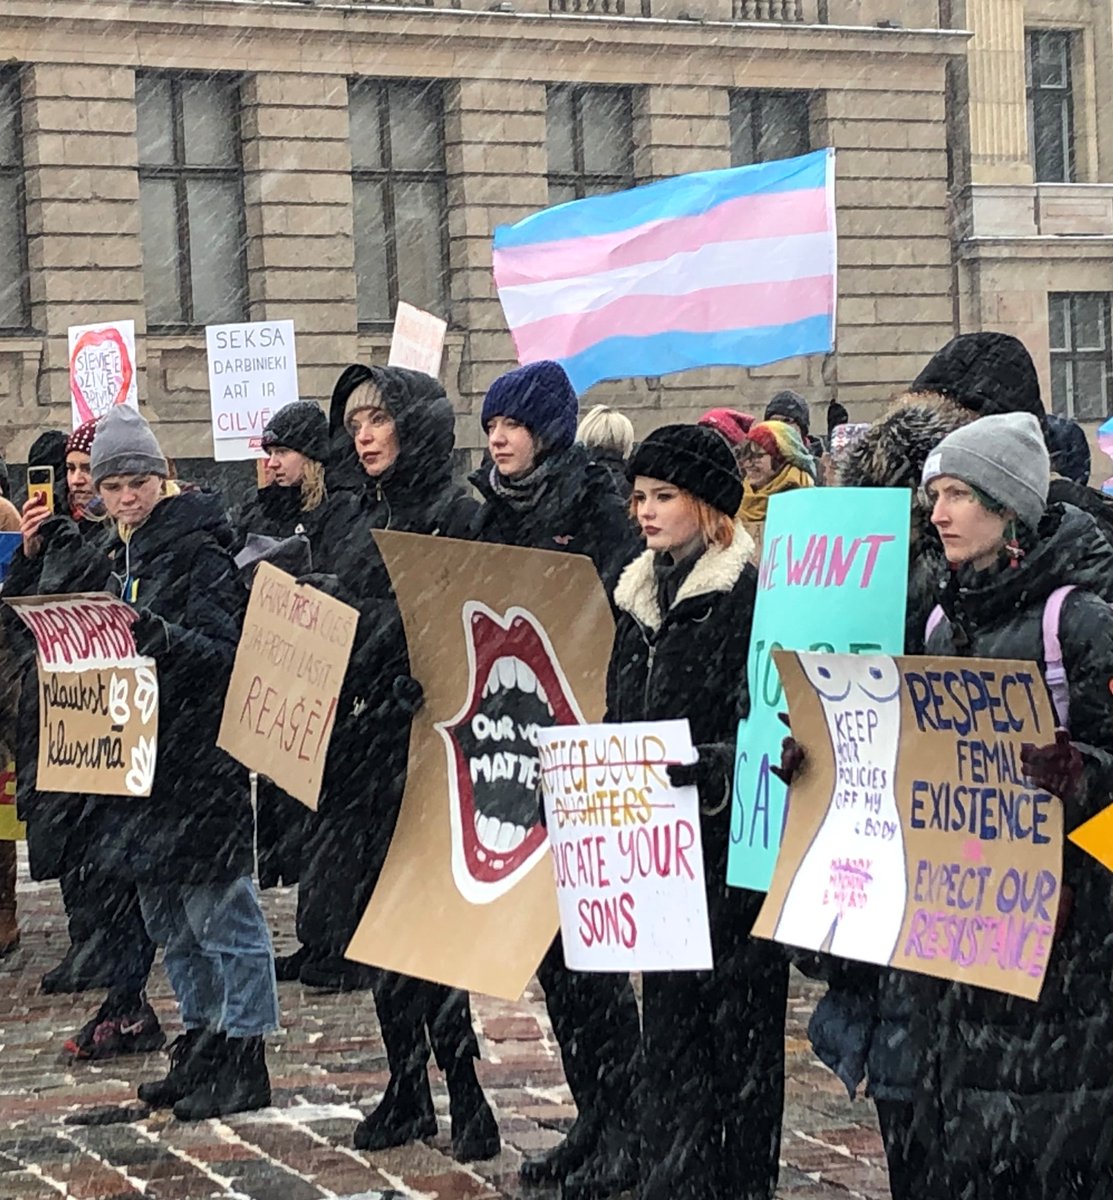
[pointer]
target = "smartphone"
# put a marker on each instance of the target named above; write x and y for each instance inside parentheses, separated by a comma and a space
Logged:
(40, 482)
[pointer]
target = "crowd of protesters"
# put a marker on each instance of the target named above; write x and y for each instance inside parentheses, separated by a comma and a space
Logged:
(679, 1097)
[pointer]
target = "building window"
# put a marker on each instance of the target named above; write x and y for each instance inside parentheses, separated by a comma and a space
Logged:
(14, 305)
(398, 186)
(1050, 105)
(1081, 355)
(191, 199)
(590, 136)
(768, 125)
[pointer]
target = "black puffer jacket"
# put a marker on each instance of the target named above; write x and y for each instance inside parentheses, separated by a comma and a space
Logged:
(691, 662)
(578, 511)
(197, 825)
(277, 512)
(1016, 1080)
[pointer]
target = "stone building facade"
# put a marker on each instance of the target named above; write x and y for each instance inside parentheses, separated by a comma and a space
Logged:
(186, 162)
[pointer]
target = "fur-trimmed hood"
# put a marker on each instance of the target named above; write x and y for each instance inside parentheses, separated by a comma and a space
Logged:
(717, 570)
(892, 452)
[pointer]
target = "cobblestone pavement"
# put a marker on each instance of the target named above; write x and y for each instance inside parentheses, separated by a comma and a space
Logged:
(326, 1065)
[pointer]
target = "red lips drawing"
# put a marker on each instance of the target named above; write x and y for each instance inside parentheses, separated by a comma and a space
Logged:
(97, 388)
(515, 686)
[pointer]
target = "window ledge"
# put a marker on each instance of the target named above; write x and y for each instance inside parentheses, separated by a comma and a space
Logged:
(991, 210)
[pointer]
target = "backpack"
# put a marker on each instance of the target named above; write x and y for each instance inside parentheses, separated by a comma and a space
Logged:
(1055, 674)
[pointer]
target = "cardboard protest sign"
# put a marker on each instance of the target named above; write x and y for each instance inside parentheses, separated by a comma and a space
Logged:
(102, 369)
(504, 642)
(913, 839)
(280, 707)
(833, 577)
(253, 372)
(417, 341)
(626, 847)
(98, 697)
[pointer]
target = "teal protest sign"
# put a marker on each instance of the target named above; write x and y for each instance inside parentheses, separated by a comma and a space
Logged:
(833, 579)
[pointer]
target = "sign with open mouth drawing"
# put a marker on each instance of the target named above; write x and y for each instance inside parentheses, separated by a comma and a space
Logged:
(505, 642)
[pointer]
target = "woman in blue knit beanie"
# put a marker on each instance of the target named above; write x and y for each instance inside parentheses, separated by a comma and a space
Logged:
(541, 490)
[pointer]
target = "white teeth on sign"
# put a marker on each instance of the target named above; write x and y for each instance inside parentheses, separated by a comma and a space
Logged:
(505, 838)
(507, 674)
(490, 685)
(488, 830)
(527, 681)
(542, 695)
(517, 836)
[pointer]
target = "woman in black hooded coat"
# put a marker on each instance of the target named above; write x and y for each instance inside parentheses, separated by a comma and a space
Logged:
(400, 432)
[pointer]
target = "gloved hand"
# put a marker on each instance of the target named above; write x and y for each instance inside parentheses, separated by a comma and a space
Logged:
(329, 584)
(409, 693)
(792, 756)
(710, 773)
(151, 633)
(1056, 768)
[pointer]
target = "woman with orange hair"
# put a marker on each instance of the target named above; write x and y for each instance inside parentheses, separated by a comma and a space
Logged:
(712, 1041)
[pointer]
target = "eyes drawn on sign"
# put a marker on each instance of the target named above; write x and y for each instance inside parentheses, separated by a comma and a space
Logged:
(858, 851)
(516, 685)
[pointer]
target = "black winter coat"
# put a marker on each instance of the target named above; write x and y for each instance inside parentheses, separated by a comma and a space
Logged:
(1017, 1080)
(578, 511)
(54, 838)
(365, 772)
(197, 825)
(691, 662)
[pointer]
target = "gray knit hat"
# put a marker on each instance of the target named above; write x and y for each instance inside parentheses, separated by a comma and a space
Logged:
(1002, 456)
(125, 445)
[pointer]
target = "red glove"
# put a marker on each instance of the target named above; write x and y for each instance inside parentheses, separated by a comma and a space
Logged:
(792, 757)
(1056, 768)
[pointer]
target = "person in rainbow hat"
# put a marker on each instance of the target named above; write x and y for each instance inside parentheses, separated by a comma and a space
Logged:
(773, 460)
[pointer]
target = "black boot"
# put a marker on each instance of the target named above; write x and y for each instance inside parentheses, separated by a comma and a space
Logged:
(334, 973)
(237, 1082)
(77, 972)
(190, 1056)
(475, 1132)
(288, 967)
(610, 1169)
(563, 1158)
(404, 1114)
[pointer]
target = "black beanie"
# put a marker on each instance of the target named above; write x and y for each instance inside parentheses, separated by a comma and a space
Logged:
(986, 373)
(792, 407)
(300, 426)
(692, 457)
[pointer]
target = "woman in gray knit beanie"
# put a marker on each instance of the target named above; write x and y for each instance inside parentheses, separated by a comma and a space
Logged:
(1033, 582)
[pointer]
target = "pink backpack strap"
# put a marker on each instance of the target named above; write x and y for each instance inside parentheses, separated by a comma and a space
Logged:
(934, 618)
(1054, 672)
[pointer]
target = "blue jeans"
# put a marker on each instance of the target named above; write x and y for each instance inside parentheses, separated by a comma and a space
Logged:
(218, 953)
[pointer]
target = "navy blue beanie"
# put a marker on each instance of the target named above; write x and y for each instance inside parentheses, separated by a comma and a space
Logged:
(541, 397)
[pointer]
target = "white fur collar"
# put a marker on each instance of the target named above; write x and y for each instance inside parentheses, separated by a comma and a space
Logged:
(717, 570)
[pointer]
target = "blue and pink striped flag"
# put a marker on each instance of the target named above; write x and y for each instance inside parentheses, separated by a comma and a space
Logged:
(716, 268)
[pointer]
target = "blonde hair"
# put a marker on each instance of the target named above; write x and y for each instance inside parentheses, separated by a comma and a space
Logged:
(715, 527)
(313, 490)
(605, 428)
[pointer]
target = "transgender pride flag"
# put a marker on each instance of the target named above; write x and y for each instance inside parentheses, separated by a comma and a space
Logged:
(716, 268)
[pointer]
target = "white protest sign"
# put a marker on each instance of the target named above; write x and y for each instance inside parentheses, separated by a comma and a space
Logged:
(253, 372)
(626, 847)
(102, 369)
(417, 341)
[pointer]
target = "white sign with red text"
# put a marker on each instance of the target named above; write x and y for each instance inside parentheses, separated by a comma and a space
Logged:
(102, 369)
(253, 372)
(626, 847)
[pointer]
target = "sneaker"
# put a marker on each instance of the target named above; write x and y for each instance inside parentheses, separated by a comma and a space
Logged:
(113, 1035)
